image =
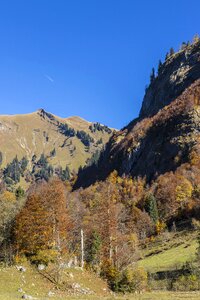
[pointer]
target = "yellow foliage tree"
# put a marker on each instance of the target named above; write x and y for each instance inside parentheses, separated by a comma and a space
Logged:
(183, 191)
(8, 196)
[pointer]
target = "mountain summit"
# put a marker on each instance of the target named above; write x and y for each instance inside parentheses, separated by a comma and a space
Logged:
(167, 132)
(177, 73)
(64, 142)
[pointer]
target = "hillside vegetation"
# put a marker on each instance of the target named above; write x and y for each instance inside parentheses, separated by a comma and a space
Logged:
(69, 141)
(13, 285)
(129, 221)
(39, 145)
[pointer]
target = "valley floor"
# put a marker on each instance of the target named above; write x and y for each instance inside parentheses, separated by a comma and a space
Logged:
(168, 255)
(12, 282)
(145, 296)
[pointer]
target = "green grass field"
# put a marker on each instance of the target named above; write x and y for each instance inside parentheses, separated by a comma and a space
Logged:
(173, 254)
(13, 283)
(175, 257)
(160, 255)
(32, 283)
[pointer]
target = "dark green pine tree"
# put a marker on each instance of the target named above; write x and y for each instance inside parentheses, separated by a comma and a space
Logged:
(94, 248)
(65, 174)
(159, 66)
(42, 162)
(53, 153)
(19, 193)
(171, 51)
(151, 207)
(23, 164)
(12, 170)
(152, 76)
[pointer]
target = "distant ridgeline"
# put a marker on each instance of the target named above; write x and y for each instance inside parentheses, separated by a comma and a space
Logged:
(40, 145)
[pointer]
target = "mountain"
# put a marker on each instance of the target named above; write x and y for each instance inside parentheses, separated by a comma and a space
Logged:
(167, 131)
(63, 141)
(176, 74)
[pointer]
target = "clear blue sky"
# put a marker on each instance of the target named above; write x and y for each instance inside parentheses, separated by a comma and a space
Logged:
(90, 58)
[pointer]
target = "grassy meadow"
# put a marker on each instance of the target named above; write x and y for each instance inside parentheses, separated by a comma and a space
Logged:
(173, 253)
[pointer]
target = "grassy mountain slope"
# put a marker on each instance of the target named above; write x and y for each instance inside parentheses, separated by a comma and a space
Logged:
(169, 253)
(14, 284)
(42, 132)
(35, 285)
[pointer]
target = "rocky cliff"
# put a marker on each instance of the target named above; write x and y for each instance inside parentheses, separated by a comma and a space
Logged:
(168, 127)
(177, 73)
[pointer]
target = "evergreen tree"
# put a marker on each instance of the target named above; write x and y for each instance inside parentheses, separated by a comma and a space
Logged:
(85, 138)
(171, 51)
(12, 171)
(66, 130)
(42, 162)
(94, 247)
(183, 46)
(167, 56)
(23, 164)
(159, 66)
(34, 157)
(53, 153)
(65, 174)
(151, 207)
(152, 76)
(196, 39)
(19, 193)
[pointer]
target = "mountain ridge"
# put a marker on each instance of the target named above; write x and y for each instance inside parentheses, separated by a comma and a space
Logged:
(178, 72)
(141, 148)
(40, 132)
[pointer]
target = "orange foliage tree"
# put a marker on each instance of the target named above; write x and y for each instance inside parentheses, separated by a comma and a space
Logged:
(43, 223)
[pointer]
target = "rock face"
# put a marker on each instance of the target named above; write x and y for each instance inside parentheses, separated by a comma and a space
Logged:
(168, 127)
(178, 72)
(168, 140)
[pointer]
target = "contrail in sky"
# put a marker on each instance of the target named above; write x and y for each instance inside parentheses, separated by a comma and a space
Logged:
(49, 78)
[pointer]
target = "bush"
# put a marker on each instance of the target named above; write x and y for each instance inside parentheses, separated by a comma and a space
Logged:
(111, 274)
(186, 283)
(128, 281)
(44, 257)
(133, 280)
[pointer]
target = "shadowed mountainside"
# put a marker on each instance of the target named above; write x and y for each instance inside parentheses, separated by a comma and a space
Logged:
(163, 136)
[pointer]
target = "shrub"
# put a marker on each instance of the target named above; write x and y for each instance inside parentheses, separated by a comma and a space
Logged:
(111, 274)
(133, 279)
(128, 281)
(44, 257)
(187, 283)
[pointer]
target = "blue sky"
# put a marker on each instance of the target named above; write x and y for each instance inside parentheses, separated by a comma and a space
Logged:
(90, 58)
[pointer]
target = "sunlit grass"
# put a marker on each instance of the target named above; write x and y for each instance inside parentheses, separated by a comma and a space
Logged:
(172, 258)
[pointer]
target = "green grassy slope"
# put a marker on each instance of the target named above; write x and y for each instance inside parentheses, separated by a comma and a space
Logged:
(34, 284)
(13, 284)
(171, 254)
(38, 132)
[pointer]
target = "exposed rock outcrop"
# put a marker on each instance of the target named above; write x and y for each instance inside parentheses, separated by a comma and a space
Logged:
(178, 72)
(168, 127)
